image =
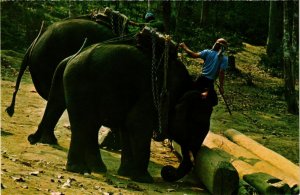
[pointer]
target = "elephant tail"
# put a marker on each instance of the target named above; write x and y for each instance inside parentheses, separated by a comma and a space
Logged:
(171, 174)
(81, 48)
(11, 109)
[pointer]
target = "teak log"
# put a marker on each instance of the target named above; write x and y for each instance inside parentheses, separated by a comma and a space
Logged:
(218, 175)
(216, 141)
(262, 182)
(246, 189)
(283, 164)
(265, 184)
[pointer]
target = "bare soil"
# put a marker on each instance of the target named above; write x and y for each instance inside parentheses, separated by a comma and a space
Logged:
(40, 169)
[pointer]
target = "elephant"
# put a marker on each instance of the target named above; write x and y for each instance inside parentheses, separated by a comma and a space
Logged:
(125, 86)
(62, 39)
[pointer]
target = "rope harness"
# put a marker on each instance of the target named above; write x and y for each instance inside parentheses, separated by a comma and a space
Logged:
(113, 19)
(120, 20)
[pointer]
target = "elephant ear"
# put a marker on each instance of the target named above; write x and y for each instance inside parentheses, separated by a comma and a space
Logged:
(185, 102)
(190, 96)
(180, 120)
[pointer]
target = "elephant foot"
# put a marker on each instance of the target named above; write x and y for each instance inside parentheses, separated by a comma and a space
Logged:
(75, 168)
(94, 161)
(144, 178)
(125, 172)
(138, 177)
(33, 138)
(98, 168)
(46, 139)
(49, 139)
(169, 173)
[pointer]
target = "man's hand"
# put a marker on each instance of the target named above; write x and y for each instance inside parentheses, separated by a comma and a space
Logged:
(182, 45)
(188, 51)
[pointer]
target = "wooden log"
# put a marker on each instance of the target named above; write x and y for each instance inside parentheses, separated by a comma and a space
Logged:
(262, 182)
(264, 153)
(266, 184)
(246, 189)
(216, 141)
(215, 173)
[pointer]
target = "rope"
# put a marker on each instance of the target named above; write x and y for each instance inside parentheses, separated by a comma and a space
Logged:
(123, 38)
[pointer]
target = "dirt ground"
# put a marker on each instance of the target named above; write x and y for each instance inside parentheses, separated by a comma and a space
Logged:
(40, 169)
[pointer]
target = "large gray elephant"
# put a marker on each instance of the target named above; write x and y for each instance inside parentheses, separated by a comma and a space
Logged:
(63, 39)
(118, 85)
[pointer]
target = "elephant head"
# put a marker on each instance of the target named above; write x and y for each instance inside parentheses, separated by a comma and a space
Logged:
(189, 112)
(189, 126)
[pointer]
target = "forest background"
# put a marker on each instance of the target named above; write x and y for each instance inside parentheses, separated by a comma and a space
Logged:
(269, 28)
(199, 23)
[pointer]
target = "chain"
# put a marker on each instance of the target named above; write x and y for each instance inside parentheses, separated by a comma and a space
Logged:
(128, 37)
(154, 77)
(121, 21)
(153, 72)
(166, 60)
(112, 23)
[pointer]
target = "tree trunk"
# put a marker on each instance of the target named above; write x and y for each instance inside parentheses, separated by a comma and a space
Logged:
(204, 13)
(72, 9)
(289, 66)
(275, 29)
(167, 15)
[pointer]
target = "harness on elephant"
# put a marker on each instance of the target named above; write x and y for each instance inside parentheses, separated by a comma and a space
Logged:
(113, 19)
(160, 96)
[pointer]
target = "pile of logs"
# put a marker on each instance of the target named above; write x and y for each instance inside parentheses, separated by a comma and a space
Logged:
(236, 164)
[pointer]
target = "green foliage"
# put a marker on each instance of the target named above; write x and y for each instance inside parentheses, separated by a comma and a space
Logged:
(10, 64)
(272, 64)
(21, 20)
(205, 38)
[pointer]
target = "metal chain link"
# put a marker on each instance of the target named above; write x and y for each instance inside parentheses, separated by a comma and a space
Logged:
(154, 76)
(112, 23)
(153, 71)
(121, 21)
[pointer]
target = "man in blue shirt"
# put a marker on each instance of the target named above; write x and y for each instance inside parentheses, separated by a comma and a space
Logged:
(215, 64)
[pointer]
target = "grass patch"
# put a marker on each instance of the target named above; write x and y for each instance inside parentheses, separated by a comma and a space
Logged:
(10, 66)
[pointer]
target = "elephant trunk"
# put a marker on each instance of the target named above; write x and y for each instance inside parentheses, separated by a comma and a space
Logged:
(171, 174)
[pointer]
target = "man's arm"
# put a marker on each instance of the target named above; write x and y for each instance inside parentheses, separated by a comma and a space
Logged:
(221, 80)
(188, 51)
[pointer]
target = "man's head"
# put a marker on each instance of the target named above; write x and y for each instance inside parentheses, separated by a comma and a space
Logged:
(221, 43)
(149, 16)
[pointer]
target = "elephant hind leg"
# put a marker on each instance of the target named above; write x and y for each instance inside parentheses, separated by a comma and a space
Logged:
(92, 154)
(54, 109)
(136, 154)
(84, 154)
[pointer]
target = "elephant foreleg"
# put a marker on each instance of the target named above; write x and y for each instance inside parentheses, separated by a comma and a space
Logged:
(127, 166)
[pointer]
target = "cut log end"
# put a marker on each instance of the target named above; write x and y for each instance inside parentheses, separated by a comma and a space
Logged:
(226, 179)
(266, 184)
